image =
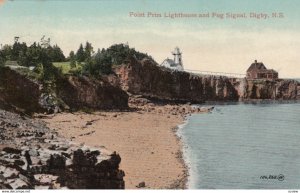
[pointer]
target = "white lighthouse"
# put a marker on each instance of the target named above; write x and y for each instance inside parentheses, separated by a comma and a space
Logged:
(177, 56)
(175, 64)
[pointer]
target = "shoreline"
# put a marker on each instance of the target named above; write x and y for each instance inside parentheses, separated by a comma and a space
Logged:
(181, 183)
(184, 156)
(147, 141)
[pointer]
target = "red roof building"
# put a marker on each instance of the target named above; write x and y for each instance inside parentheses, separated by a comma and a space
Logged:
(257, 70)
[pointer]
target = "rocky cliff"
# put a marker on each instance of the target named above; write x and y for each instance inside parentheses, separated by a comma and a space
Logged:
(85, 92)
(138, 78)
(266, 89)
(20, 93)
(35, 157)
(147, 79)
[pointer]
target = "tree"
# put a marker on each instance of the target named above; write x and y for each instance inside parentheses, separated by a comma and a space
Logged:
(72, 58)
(90, 66)
(119, 52)
(39, 71)
(34, 54)
(103, 63)
(15, 51)
(88, 50)
(46, 65)
(55, 54)
(6, 51)
(50, 72)
(80, 55)
(2, 58)
(23, 59)
(98, 65)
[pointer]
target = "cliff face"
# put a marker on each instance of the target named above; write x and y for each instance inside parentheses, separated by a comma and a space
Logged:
(139, 78)
(265, 89)
(19, 93)
(147, 79)
(34, 157)
(81, 92)
(288, 89)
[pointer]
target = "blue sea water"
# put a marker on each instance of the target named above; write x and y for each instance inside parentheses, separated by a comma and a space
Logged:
(244, 146)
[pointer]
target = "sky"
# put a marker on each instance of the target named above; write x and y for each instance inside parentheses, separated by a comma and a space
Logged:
(207, 44)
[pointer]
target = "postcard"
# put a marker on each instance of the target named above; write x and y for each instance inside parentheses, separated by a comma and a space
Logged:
(140, 94)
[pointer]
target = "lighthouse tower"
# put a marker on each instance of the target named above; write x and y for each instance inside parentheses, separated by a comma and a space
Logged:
(177, 57)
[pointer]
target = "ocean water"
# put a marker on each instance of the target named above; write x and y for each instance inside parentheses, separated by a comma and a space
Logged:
(244, 146)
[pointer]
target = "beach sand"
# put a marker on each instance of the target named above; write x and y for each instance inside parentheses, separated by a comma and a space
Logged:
(145, 140)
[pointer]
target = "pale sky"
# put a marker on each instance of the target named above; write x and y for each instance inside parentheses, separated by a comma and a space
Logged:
(208, 44)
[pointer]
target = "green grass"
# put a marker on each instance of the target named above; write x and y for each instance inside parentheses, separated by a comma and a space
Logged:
(65, 66)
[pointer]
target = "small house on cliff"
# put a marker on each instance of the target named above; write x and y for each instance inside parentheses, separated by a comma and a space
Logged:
(175, 64)
(258, 70)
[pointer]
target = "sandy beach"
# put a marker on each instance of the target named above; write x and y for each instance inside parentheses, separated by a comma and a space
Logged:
(145, 140)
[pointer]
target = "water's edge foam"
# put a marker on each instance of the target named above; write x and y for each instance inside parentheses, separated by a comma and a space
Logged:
(185, 152)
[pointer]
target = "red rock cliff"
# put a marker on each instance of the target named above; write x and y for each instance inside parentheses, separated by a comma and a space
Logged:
(266, 89)
(81, 92)
(18, 92)
(147, 79)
